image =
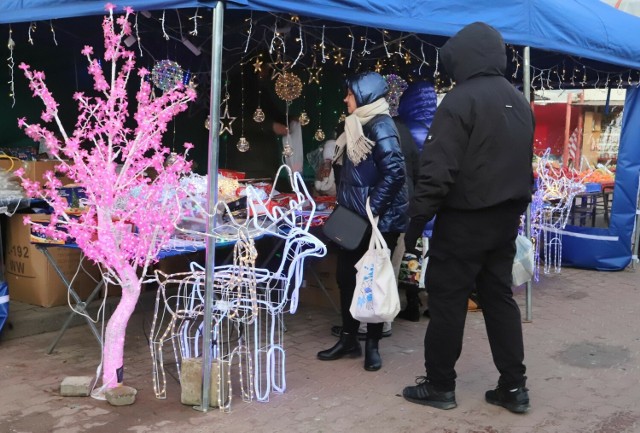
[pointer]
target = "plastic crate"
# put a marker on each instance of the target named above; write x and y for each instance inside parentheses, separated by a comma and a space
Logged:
(593, 187)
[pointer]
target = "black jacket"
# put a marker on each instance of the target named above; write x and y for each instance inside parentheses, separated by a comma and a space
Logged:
(381, 176)
(479, 150)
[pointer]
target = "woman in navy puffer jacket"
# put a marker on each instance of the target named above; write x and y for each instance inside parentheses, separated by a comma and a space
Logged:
(372, 165)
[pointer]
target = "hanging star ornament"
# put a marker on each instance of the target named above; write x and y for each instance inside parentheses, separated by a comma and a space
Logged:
(314, 74)
(278, 67)
(378, 67)
(407, 58)
(226, 121)
(338, 58)
(257, 65)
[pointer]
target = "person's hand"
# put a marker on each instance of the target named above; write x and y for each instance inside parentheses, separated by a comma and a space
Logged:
(414, 232)
(280, 129)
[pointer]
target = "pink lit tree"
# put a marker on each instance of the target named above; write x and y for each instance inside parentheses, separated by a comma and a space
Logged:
(129, 215)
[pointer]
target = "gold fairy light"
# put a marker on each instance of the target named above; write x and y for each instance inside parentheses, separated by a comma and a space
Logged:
(243, 143)
(258, 115)
(288, 86)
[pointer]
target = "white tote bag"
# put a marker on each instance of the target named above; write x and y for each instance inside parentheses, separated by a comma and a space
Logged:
(375, 298)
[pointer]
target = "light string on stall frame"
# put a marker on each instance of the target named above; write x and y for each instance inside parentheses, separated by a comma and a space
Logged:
(194, 18)
(53, 33)
(11, 44)
(32, 29)
(410, 46)
(589, 76)
(164, 32)
(135, 26)
(249, 30)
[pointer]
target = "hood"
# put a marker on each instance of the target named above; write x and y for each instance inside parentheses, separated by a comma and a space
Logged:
(418, 103)
(367, 87)
(477, 49)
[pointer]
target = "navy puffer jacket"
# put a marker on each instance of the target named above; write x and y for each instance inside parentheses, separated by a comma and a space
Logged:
(382, 174)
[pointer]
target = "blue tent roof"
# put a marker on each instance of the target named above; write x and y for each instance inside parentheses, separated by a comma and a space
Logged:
(583, 28)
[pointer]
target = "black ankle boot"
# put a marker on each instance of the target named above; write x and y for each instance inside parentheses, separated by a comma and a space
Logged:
(347, 345)
(412, 310)
(372, 359)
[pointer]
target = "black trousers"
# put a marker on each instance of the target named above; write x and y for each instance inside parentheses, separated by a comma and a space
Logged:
(473, 249)
(346, 278)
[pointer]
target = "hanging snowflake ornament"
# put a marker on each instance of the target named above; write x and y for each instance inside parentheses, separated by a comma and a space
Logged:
(243, 144)
(304, 118)
(258, 115)
(167, 75)
(288, 86)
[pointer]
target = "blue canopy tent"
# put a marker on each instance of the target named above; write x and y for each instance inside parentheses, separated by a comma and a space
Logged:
(587, 29)
(582, 28)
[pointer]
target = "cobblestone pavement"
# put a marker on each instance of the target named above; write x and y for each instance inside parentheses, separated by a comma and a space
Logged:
(582, 353)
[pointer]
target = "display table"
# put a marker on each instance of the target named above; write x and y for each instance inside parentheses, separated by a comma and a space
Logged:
(80, 305)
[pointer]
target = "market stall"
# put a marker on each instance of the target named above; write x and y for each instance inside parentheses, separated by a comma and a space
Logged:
(540, 25)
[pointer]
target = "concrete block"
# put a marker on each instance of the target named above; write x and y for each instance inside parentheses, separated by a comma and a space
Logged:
(191, 382)
(76, 386)
(121, 396)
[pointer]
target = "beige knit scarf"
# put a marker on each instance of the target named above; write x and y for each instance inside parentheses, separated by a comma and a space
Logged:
(358, 146)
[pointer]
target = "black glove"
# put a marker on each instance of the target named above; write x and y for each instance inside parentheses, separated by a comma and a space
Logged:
(414, 232)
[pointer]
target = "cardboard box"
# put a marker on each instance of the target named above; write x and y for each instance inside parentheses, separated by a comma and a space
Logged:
(311, 292)
(180, 263)
(30, 276)
(34, 170)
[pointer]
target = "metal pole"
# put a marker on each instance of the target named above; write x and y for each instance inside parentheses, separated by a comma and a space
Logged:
(212, 196)
(526, 78)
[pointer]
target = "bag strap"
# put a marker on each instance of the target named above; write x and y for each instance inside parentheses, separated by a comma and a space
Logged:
(377, 240)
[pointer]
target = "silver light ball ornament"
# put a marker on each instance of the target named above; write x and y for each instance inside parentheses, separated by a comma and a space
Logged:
(243, 144)
(258, 115)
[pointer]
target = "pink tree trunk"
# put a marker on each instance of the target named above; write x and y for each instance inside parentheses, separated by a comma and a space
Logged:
(113, 350)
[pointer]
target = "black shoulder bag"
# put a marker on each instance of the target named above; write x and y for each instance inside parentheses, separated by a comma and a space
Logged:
(346, 227)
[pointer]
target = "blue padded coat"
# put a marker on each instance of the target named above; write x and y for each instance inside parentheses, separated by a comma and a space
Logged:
(382, 174)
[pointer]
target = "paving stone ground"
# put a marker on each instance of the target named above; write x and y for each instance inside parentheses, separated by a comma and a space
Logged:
(582, 353)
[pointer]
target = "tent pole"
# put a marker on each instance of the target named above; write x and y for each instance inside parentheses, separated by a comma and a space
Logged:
(212, 197)
(526, 82)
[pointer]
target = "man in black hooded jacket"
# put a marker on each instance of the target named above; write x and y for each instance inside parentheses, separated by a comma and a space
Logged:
(476, 175)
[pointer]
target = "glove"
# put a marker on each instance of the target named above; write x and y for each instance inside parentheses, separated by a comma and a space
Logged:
(414, 232)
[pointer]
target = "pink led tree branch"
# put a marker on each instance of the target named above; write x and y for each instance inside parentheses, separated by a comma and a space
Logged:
(129, 216)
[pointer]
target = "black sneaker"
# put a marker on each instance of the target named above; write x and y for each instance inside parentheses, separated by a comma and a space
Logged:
(424, 393)
(362, 336)
(516, 400)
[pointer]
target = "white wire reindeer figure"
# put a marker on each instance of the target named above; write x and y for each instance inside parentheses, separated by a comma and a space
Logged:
(178, 317)
(257, 319)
